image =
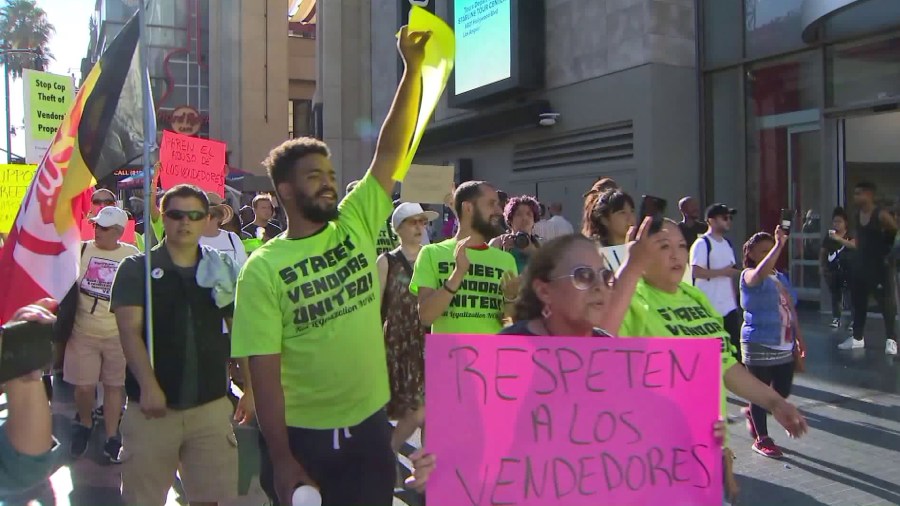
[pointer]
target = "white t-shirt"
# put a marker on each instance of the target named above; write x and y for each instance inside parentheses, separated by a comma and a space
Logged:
(228, 243)
(556, 226)
(719, 291)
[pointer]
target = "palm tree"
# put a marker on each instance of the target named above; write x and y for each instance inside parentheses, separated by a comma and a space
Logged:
(24, 25)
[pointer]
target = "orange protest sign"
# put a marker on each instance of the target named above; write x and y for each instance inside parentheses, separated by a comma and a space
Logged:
(191, 160)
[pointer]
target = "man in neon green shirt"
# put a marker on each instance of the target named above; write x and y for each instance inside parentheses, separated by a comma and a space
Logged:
(463, 285)
(307, 314)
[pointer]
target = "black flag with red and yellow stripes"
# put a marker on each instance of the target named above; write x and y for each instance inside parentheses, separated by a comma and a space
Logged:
(101, 132)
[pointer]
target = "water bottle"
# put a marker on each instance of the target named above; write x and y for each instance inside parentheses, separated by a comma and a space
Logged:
(306, 496)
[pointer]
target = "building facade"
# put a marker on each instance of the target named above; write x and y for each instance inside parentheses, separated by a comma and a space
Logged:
(769, 105)
(800, 101)
(230, 70)
(620, 75)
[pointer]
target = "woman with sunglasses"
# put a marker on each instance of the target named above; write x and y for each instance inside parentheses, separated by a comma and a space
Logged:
(665, 306)
(568, 290)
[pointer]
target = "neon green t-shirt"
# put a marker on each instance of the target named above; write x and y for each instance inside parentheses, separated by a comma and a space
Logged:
(315, 301)
(687, 313)
(387, 240)
(158, 230)
(477, 308)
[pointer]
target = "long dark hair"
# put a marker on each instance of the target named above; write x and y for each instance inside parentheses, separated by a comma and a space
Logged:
(609, 202)
(755, 239)
(590, 200)
(541, 266)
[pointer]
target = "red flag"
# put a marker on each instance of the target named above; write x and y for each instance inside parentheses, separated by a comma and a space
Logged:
(101, 131)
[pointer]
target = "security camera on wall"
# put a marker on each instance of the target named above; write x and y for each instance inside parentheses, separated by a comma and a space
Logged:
(548, 119)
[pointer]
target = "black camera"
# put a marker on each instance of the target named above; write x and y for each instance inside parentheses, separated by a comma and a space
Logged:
(24, 347)
(522, 240)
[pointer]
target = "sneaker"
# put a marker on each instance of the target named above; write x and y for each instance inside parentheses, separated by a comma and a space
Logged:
(81, 436)
(750, 428)
(890, 347)
(113, 450)
(767, 448)
(851, 344)
(836, 323)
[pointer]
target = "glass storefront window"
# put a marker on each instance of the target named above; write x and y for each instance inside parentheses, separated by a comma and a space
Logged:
(784, 153)
(861, 72)
(721, 38)
(773, 26)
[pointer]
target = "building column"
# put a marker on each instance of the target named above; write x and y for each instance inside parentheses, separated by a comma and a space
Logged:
(344, 85)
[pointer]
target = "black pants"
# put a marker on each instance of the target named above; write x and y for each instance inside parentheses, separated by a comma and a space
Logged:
(877, 282)
(780, 378)
(838, 285)
(733, 322)
(361, 472)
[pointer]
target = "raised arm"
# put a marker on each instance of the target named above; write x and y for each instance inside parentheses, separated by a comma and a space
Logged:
(755, 277)
(397, 130)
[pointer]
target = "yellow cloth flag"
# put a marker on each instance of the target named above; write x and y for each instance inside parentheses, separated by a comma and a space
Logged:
(440, 54)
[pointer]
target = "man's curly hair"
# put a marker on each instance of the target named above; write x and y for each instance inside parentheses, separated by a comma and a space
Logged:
(280, 162)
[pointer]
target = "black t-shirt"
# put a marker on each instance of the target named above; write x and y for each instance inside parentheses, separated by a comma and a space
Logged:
(691, 233)
(836, 254)
(249, 232)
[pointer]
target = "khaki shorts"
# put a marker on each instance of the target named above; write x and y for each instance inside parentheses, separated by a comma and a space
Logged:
(89, 361)
(198, 443)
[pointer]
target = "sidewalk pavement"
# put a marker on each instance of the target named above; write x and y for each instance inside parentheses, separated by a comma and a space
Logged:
(851, 455)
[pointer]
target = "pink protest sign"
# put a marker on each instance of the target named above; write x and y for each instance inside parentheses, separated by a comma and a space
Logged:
(192, 160)
(531, 421)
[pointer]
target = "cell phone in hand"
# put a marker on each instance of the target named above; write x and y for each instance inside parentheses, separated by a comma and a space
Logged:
(655, 208)
(787, 217)
(24, 347)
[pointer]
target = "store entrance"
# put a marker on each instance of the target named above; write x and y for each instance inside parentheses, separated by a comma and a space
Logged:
(870, 152)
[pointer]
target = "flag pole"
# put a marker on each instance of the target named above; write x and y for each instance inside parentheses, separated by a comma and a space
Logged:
(149, 137)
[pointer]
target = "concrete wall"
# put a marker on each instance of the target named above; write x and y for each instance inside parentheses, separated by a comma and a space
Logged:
(263, 81)
(225, 75)
(607, 61)
(301, 67)
(344, 84)
(661, 102)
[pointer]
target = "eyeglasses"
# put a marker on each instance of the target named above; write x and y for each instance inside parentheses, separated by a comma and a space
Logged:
(101, 227)
(178, 215)
(103, 202)
(585, 278)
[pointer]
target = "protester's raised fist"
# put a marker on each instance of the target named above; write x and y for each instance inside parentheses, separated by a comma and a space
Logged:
(412, 46)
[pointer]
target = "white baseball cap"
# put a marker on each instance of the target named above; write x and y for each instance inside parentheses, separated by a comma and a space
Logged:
(111, 217)
(408, 210)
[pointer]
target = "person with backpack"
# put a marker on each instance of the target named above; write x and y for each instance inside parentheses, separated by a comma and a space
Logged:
(714, 269)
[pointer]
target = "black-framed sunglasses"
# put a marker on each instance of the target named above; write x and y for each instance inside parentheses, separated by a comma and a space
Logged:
(101, 227)
(103, 202)
(585, 278)
(178, 215)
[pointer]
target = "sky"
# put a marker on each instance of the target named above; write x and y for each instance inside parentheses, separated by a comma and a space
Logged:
(68, 45)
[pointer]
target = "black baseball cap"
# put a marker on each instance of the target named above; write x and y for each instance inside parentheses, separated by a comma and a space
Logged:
(719, 210)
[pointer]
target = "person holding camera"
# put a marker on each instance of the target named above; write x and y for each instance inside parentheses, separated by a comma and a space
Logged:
(520, 214)
(27, 445)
